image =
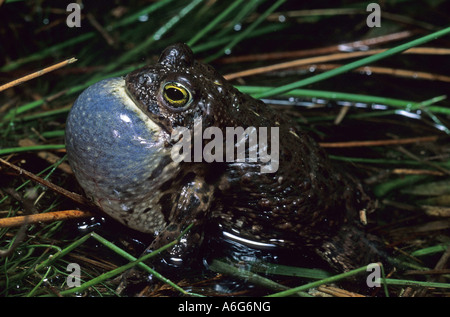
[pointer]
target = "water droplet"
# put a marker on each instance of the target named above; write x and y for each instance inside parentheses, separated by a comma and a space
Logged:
(143, 18)
(237, 27)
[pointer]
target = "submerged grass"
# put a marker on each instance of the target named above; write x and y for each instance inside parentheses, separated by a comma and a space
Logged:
(37, 110)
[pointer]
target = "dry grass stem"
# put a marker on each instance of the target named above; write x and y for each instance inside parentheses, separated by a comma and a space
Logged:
(37, 74)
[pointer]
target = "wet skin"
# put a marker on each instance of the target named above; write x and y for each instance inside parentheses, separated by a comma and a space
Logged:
(119, 144)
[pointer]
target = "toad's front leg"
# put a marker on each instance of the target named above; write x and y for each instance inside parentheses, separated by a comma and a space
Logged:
(191, 206)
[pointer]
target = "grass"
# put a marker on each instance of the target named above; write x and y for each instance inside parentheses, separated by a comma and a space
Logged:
(350, 66)
(37, 110)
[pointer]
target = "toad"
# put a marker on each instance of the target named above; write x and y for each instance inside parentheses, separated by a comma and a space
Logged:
(120, 139)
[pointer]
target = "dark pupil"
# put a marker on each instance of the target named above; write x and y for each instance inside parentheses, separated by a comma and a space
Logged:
(174, 94)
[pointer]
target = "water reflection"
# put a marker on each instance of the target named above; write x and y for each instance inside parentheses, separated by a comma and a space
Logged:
(417, 114)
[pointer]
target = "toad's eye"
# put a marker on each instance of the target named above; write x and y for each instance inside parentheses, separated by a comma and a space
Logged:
(176, 95)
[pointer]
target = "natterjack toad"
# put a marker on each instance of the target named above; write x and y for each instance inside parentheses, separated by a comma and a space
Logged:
(120, 138)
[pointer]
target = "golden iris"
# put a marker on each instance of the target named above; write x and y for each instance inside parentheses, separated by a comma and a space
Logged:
(176, 94)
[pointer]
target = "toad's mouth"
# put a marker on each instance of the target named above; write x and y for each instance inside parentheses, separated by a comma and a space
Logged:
(117, 88)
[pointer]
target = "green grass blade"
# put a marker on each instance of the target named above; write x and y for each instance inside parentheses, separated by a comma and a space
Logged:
(431, 250)
(32, 148)
(331, 95)
(110, 274)
(239, 37)
(391, 281)
(129, 55)
(331, 279)
(222, 267)
(142, 265)
(278, 269)
(82, 38)
(135, 16)
(214, 23)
